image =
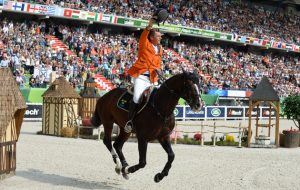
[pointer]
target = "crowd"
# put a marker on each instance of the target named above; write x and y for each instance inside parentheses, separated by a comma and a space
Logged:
(26, 49)
(238, 17)
(228, 68)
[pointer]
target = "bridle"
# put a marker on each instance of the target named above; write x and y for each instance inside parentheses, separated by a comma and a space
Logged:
(172, 93)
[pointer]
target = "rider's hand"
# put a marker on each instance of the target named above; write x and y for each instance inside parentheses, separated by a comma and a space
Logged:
(152, 21)
(159, 72)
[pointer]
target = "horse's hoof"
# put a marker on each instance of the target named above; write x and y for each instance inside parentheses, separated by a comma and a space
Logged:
(125, 176)
(157, 178)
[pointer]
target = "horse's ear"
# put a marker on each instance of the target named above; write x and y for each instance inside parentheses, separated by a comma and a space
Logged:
(183, 71)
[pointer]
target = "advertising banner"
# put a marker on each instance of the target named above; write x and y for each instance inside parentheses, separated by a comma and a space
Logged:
(33, 112)
(234, 112)
(178, 112)
(215, 112)
(255, 112)
(190, 114)
(266, 112)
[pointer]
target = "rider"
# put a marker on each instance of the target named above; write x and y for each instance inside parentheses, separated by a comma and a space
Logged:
(144, 70)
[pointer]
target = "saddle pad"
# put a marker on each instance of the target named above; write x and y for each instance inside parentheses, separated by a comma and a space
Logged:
(124, 101)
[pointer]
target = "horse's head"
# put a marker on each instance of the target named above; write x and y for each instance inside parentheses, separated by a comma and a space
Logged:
(191, 90)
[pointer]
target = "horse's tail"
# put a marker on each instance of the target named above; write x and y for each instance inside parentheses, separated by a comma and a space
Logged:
(95, 120)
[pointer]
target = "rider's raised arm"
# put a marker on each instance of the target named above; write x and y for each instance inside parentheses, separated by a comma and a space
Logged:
(144, 37)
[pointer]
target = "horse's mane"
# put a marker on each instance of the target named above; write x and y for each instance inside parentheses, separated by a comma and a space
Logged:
(187, 76)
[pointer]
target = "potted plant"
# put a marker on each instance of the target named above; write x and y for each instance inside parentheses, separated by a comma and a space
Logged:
(291, 109)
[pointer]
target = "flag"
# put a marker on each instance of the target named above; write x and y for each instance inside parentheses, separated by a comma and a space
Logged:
(75, 14)
(242, 39)
(105, 18)
(8, 5)
(19, 6)
(91, 16)
(83, 15)
(248, 40)
(256, 41)
(283, 45)
(30, 8)
(42, 9)
(275, 44)
(295, 48)
(99, 17)
(114, 19)
(266, 43)
(50, 10)
(279, 45)
(67, 13)
(235, 37)
(289, 47)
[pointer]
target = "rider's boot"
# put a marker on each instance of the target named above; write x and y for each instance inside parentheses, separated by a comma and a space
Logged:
(132, 111)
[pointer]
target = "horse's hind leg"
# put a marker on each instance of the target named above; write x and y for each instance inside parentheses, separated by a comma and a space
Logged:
(118, 145)
(166, 144)
(107, 141)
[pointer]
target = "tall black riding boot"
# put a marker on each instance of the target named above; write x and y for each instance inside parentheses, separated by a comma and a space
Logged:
(132, 111)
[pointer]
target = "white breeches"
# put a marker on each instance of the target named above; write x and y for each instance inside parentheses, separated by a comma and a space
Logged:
(140, 84)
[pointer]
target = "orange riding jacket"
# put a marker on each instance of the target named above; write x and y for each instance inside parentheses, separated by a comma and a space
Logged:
(148, 60)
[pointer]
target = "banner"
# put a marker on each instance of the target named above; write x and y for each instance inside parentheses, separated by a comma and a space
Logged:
(230, 93)
(266, 112)
(190, 114)
(34, 112)
(178, 112)
(254, 112)
(234, 112)
(215, 112)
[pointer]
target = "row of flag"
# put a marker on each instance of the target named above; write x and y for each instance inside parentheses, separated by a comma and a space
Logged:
(92, 16)
(53, 10)
(266, 43)
(30, 8)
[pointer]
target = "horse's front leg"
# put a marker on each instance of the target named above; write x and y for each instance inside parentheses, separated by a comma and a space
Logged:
(142, 144)
(166, 144)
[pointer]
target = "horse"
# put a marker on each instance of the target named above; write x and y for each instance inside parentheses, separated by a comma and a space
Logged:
(155, 122)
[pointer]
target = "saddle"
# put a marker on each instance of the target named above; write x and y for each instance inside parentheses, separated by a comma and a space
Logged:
(125, 99)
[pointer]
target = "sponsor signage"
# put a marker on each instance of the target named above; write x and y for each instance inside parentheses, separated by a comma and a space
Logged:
(190, 114)
(178, 112)
(266, 112)
(215, 112)
(255, 112)
(34, 111)
(235, 112)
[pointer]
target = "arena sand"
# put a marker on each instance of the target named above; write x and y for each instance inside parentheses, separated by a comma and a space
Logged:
(52, 163)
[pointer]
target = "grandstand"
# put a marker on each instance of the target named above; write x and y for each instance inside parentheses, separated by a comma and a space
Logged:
(231, 54)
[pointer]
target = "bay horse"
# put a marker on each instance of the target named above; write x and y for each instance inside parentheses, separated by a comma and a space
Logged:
(155, 122)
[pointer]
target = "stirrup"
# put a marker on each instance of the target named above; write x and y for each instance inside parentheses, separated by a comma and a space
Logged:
(128, 127)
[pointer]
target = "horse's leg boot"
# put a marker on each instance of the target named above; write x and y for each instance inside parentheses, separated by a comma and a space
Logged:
(132, 111)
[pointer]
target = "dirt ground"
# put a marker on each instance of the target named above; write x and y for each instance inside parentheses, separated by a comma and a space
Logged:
(51, 163)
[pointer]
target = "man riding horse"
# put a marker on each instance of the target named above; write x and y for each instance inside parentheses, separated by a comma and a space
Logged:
(144, 70)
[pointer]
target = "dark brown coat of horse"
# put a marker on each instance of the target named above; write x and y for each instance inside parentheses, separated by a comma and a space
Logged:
(155, 121)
